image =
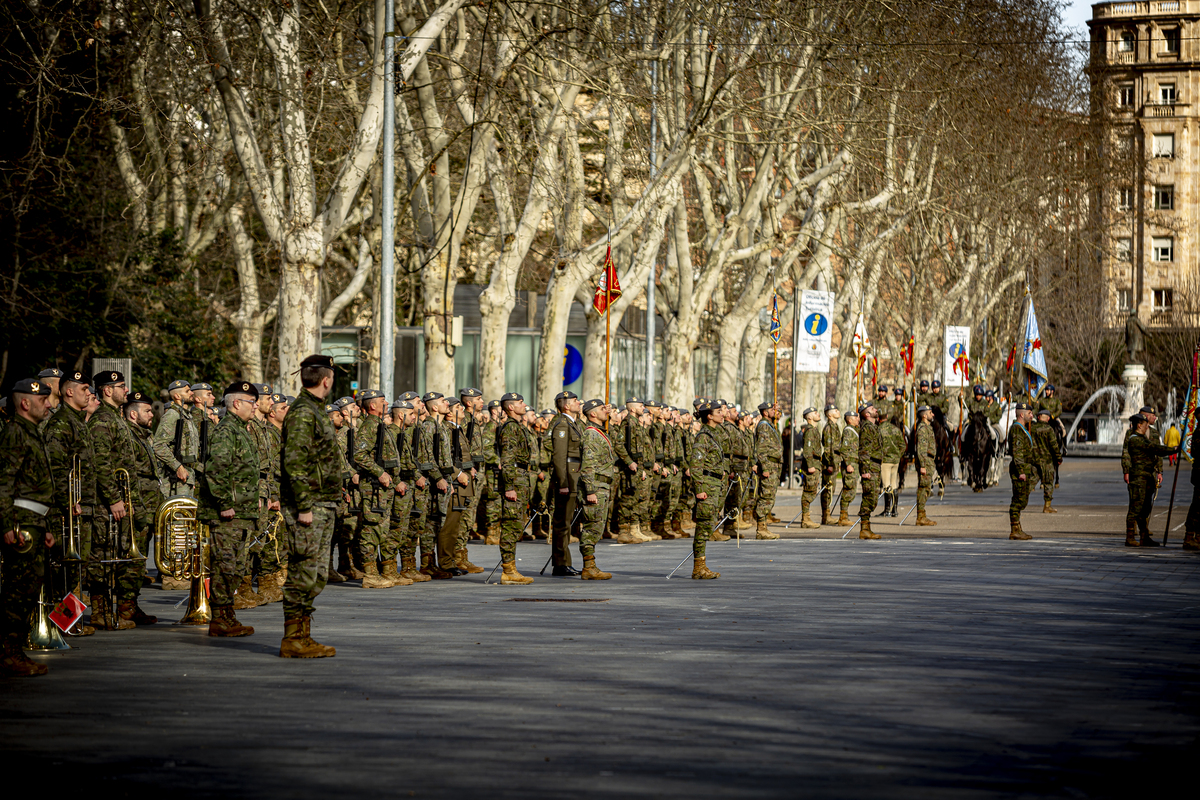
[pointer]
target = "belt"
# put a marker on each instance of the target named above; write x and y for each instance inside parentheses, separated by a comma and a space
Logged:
(712, 474)
(605, 479)
(408, 474)
(391, 464)
(464, 464)
(426, 466)
(40, 509)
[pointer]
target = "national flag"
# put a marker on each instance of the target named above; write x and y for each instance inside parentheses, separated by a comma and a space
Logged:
(1189, 404)
(609, 288)
(67, 612)
(776, 328)
(962, 364)
(861, 345)
(906, 353)
(1033, 359)
(1012, 357)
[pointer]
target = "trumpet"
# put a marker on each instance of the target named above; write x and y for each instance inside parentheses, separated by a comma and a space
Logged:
(125, 487)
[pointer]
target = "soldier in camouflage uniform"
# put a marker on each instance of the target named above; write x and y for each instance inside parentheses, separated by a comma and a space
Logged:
(462, 488)
(348, 509)
(438, 467)
(891, 431)
(229, 504)
(517, 449)
(710, 470)
(926, 461)
(472, 399)
(811, 454)
(937, 399)
(847, 459)
(149, 479)
(310, 490)
(831, 439)
(738, 452)
(405, 532)
(1151, 435)
(26, 495)
(177, 425)
(418, 520)
(870, 462)
(377, 461)
(1145, 462)
(1045, 448)
(924, 397)
(1021, 469)
(597, 475)
(682, 519)
(768, 462)
(338, 421)
(633, 448)
(490, 506)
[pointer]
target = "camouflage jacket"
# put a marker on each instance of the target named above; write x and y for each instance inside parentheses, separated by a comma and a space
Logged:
(488, 445)
(926, 448)
(66, 436)
(994, 411)
(632, 444)
(1145, 457)
(266, 455)
(372, 433)
(149, 476)
(739, 448)
(311, 469)
(1126, 459)
(434, 451)
(1045, 443)
(768, 447)
(517, 449)
(24, 474)
(848, 448)
(811, 449)
(231, 475)
(974, 405)
(115, 449)
(1023, 456)
(1051, 404)
(893, 442)
(599, 467)
(276, 438)
(831, 437)
(940, 401)
(870, 447)
(406, 454)
(189, 439)
(708, 463)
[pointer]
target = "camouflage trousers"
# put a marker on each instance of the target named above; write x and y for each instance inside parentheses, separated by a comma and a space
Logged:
(708, 511)
(107, 559)
(1141, 502)
(22, 581)
(737, 494)
(374, 527)
(512, 519)
(924, 488)
(593, 520)
(490, 504)
(849, 487)
(1046, 474)
(670, 487)
(401, 532)
(452, 534)
(812, 485)
(768, 487)
(228, 542)
(470, 521)
(266, 556)
(635, 494)
(419, 521)
(870, 494)
(1020, 494)
(308, 558)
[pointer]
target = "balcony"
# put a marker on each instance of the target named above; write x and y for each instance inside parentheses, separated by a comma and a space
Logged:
(1144, 8)
(1152, 110)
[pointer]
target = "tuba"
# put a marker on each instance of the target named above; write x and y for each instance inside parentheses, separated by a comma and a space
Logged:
(182, 550)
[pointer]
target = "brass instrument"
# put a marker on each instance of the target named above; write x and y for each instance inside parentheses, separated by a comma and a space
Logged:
(271, 531)
(44, 634)
(24, 540)
(181, 551)
(72, 527)
(125, 487)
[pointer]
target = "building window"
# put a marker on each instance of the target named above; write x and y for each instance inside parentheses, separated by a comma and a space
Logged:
(1124, 249)
(1124, 300)
(1124, 198)
(1125, 95)
(1163, 249)
(1125, 43)
(1164, 145)
(1163, 299)
(1166, 94)
(1164, 198)
(1170, 40)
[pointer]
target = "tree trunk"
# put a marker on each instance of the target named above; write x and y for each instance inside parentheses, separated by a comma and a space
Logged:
(438, 305)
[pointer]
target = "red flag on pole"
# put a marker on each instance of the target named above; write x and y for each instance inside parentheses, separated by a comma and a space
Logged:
(906, 354)
(67, 612)
(609, 288)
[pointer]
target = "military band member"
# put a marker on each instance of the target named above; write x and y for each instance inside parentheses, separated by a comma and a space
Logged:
(847, 456)
(925, 461)
(310, 490)
(229, 504)
(1045, 448)
(870, 463)
(768, 462)
(597, 477)
(566, 461)
(176, 440)
(1021, 469)
(377, 460)
(149, 478)
(710, 471)
(1145, 463)
(26, 495)
(517, 449)
(811, 454)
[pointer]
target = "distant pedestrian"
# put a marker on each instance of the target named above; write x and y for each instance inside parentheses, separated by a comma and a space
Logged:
(1172, 439)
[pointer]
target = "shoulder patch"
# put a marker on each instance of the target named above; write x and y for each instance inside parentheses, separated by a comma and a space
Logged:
(561, 433)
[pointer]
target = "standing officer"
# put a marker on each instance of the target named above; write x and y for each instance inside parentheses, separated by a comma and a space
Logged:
(310, 489)
(847, 456)
(926, 461)
(1145, 461)
(517, 449)
(404, 525)
(831, 438)
(566, 440)
(597, 472)
(709, 474)
(139, 416)
(26, 494)
(632, 445)
(472, 399)
(1045, 449)
(1021, 469)
(870, 463)
(439, 470)
(376, 460)
(229, 504)
(892, 434)
(810, 466)
(768, 461)
(176, 440)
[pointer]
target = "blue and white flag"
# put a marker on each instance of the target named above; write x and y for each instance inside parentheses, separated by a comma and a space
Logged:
(1034, 359)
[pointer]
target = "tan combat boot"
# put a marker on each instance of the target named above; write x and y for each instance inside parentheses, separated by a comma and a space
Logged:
(130, 610)
(677, 528)
(746, 521)
(390, 574)
(625, 535)
(1146, 541)
(640, 534)
(806, 521)
(224, 623)
(688, 523)
(297, 643)
(718, 536)
(924, 520)
(492, 537)
(591, 572)
(844, 519)
(246, 597)
(865, 532)
(1017, 533)
(105, 618)
(1191, 541)
(825, 513)
(333, 576)
(373, 580)
(701, 572)
(14, 663)
(512, 577)
(1131, 537)
(763, 533)
(1046, 509)
(408, 568)
(270, 587)
(462, 562)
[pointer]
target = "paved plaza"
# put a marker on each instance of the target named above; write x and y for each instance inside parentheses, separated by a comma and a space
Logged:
(927, 664)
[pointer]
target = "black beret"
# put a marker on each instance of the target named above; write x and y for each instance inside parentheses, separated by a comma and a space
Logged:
(107, 378)
(1138, 419)
(31, 386)
(242, 387)
(408, 397)
(1045, 411)
(402, 405)
(1147, 410)
(263, 388)
(278, 398)
(368, 394)
(851, 413)
(923, 408)
(1050, 387)
(764, 406)
(454, 401)
(289, 399)
(469, 392)
(138, 397)
(317, 360)
(706, 408)
(720, 402)
(50, 372)
(831, 407)
(173, 385)
(510, 396)
(431, 396)
(865, 407)
(1023, 407)
(493, 404)
(632, 399)
(331, 407)
(74, 377)
(699, 401)
(807, 411)
(592, 404)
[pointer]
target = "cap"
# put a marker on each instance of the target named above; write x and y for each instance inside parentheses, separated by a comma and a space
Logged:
(289, 399)
(201, 387)
(764, 406)
(508, 396)
(1136, 419)
(331, 407)
(591, 404)
(429, 397)
(1045, 411)
(176, 385)
(851, 413)
(408, 397)
(469, 392)
(317, 360)
(74, 377)
(342, 402)
(263, 388)
(138, 397)
(278, 398)
(720, 402)
(706, 407)
(1147, 410)
(31, 386)
(831, 407)
(50, 372)
(454, 401)
(367, 395)
(107, 378)
(807, 411)
(242, 387)
(865, 407)
(565, 396)
(546, 412)
(699, 401)
(937, 384)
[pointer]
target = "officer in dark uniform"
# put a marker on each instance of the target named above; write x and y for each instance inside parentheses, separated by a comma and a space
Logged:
(1145, 462)
(566, 460)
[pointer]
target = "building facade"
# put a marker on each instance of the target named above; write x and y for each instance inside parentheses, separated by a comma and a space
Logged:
(1145, 74)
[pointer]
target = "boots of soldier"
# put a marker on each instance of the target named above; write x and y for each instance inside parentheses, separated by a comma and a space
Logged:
(639, 533)
(356, 572)
(1146, 541)
(14, 663)
(1191, 541)
(625, 535)
(1016, 532)
(922, 519)
(865, 532)
(462, 562)
(895, 505)
(390, 574)
(224, 623)
(104, 618)
(270, 587)
(717, 536)
(825, 511)
(408, 568)
(687, 523)
(1046, 509)
(763, 533)
(297, 643)
(373, 580)
(677, 528)
(590, 572)
(806, 521)
(1131, 537)
(746, 521)
(512, 577)
(129, 610)
(492, 537)
(887, 506)
(246, 597)
(700, 570)
(844, 519)
(664, 530)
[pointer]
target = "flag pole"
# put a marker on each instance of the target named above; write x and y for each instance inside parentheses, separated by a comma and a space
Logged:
(607, 336)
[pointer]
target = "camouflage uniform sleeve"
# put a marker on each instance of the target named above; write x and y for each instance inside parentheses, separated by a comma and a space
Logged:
(591, 458)
(508, 450)
(164, 438)
(425, 452)
(107, 461)
(60, 442)
(926, 446)
(300, 470)
(221, 470)
(1022, 447)
(364, 446)
(1126, 461)
(619, 443)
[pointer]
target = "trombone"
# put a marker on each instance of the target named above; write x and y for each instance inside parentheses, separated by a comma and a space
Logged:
(72, 534)
(125, 488)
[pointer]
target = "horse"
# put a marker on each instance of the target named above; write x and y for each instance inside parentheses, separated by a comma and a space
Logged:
(945, 450)
(978, 451)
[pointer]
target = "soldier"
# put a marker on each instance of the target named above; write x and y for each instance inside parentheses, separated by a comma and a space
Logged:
(489, 514)
(346, 520)
(1050, 403)
(52, 376)
(1021, 469)
(438, 468)
(566, 440)
(418, 521)
(1045, 449)
(882, 401)
(710, 471)
(1152, 435)
(831, 438)
(924, 398)
(811, 454)
(847, 456)
(517, 449)
(176, 440)
(267, 557)
(633, 446)
(926, 461)
(738, 452)
(1145, 462)
(870, 463)
(26, 494)
(462, 489)
(376, 459)
(338, 421)
(466, 448)
(310, 490)
(768, 461)
(149, 478)
(937, 399)
(978, 402)
(683, 520)
(404, 526)
(229, 504)
(891, 431)
(898, 408)
(597, 474)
